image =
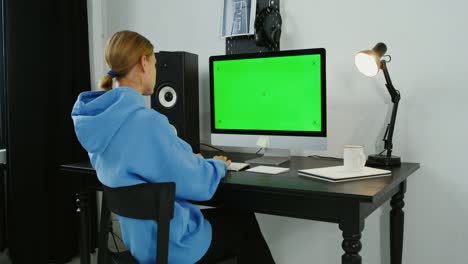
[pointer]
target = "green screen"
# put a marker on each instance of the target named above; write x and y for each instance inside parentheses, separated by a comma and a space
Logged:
(276, 93)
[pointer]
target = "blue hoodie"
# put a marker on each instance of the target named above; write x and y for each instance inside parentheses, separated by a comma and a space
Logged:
(129, 144)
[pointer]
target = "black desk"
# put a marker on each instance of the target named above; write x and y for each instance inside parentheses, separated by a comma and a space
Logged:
(287, 194)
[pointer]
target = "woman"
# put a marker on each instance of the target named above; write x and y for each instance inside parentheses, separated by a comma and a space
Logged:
(129, 144)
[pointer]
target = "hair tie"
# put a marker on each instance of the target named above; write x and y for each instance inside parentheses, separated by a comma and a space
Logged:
(111, 73)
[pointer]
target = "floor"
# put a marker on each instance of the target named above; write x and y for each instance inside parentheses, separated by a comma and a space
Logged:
(114, 243)
(4, 259)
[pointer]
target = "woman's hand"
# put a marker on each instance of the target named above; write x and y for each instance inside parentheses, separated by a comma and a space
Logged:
(223, 158)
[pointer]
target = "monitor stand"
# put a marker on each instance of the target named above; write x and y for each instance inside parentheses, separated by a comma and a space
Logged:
(272, 157)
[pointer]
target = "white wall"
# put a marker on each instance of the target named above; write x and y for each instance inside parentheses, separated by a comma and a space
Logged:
(428, 43)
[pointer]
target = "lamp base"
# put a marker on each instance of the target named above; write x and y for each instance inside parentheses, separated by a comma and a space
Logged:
(383, 160)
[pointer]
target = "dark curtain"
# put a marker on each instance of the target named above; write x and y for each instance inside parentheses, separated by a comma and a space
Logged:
(2, 136)
(47, 66)
(2, 82)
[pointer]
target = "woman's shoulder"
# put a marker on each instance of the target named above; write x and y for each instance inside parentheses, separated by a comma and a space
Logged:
(150, 114)
(145, 123)
(148, 119)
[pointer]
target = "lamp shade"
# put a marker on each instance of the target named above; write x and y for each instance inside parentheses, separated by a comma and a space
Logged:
(368, 61)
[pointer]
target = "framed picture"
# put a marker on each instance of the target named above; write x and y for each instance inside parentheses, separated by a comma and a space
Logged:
(238, 17)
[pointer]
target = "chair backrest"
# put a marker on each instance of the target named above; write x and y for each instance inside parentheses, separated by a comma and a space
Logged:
(149, 201)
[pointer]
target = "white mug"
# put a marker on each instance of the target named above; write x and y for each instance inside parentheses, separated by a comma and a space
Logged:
(353, 158)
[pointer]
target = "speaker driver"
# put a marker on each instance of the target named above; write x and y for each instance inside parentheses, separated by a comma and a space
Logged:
(167, 97)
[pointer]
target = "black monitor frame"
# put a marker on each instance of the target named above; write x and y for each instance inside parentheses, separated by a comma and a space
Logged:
(317, 51)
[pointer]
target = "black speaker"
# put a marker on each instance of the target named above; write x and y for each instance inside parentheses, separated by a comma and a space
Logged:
(176, 93)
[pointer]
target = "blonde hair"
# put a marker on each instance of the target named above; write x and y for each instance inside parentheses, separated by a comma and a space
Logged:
(123, 50)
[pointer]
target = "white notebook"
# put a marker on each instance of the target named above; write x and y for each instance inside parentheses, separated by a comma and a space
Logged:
(338, 173)
(268, 169)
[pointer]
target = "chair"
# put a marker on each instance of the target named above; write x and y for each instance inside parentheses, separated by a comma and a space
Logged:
(149, 201)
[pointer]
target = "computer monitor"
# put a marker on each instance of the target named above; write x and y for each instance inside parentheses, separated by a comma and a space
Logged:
(275, 97)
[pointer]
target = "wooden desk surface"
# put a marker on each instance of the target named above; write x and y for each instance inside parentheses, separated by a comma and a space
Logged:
(368, 190)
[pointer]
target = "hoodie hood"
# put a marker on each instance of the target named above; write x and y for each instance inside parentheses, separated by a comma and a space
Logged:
(98, 115)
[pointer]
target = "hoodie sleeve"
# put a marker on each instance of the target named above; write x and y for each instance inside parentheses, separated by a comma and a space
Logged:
(161, 156)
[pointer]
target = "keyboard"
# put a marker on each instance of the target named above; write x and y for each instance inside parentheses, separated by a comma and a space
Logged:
(237, 166)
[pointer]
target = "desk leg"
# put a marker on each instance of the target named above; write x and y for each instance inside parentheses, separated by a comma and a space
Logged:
(397, 218)
(82, 209)
(351, 241)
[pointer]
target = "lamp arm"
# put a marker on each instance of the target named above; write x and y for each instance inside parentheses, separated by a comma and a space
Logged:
(395, 94)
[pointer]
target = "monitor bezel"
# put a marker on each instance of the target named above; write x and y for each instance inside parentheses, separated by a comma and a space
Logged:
(315, 51)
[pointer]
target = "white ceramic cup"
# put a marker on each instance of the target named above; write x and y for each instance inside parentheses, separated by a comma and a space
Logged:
(353, 158)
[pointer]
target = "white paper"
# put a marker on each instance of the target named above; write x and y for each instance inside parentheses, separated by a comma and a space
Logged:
(268, 169)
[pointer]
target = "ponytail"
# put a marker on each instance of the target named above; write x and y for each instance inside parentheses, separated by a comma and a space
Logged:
(106, 82)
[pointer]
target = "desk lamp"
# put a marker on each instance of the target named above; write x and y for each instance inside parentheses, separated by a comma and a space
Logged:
(368, 63)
